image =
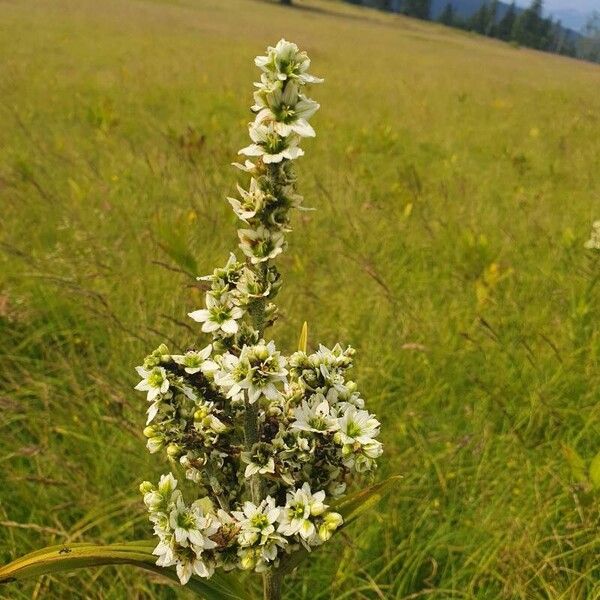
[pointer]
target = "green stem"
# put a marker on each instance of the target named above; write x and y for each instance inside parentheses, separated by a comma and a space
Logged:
(272, 584)
(254, 487)
(251, 424)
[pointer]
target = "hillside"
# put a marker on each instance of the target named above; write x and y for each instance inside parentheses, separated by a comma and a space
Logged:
(455, 180)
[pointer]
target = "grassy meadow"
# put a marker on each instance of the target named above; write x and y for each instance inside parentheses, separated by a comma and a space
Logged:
(456, 179)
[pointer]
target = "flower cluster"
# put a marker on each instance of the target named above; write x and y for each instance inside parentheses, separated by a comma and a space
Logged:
(594, 242)
(262, 439)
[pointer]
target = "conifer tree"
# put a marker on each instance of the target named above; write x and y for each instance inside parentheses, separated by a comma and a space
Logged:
(506, 24)
(417, 8)
(447, 17)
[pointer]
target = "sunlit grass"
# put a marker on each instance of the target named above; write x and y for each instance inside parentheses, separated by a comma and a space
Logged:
(456, 180)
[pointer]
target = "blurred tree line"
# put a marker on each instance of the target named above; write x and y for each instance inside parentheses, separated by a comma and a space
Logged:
(530, 28)
(524, 27)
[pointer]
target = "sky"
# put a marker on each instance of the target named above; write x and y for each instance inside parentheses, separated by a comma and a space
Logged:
(572, 13)
(582, 5)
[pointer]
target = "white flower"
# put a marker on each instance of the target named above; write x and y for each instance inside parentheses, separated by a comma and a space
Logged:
(154, 382)
(594, 242)
(218, 315)
(315, 416)
(165, 550)
(260, 244)
(233, 372)
(163, 496)
(226, 275)
(188, 563)
(251, 201)
(257, 371)
(301, 505)
(254, 468)
(258, 541)
(153, 411)
(357, 426)
(271, 146)
(256, 522)
(193, 360)
(286, 61)
(288, 110)
(260, 460)
(252, 285)
(191, 527)
(267, 370)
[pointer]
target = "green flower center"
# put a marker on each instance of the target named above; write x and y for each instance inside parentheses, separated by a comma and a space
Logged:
(259, 521)
(263, 247)
(318, 423)
(285, 113)
(275, 144)
(156, 379)
(220, 314)
(353, 429)
(192, 360)
(186, 520)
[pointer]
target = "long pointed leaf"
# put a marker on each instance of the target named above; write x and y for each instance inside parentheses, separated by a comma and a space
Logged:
(55, 559)
(303, 340)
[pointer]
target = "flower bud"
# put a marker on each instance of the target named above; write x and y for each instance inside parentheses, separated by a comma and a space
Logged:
(248, 560)
(150, 431)
(331, 522)
(173, 451)
(146, 487)
(154, 444)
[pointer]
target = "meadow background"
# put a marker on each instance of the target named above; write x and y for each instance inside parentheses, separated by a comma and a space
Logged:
(456, 179)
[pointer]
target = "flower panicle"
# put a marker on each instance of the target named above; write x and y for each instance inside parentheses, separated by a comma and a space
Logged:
(236, 410)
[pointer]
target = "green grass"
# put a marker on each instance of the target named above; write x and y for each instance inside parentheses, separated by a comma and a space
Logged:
(456, 179)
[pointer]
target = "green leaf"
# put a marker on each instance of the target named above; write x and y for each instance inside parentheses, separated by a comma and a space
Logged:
(595, 471)
(351, 508)
(576, 463)
(68, 557)
(303, 341)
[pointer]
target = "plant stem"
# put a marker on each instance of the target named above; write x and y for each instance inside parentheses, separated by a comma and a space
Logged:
(251, 424)
(272, 581)
(251, 437)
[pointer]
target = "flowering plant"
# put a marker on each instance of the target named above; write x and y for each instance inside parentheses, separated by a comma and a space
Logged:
(266, 438)
(265, 444)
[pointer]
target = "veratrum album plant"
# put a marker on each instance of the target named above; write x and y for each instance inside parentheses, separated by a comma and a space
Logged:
(261, 447)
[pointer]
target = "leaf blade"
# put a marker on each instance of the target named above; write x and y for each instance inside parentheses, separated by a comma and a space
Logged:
(56, 559)
(303, 340)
